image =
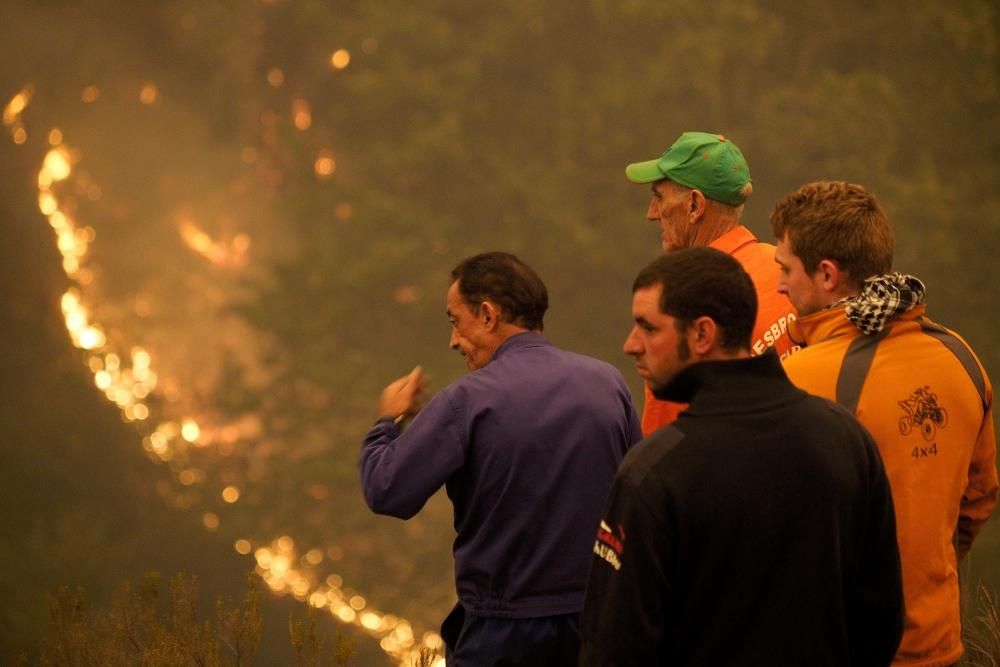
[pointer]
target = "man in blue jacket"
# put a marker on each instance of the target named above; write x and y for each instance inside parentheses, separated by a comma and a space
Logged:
(526, 445)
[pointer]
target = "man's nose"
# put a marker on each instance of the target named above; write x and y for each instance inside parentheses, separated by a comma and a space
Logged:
(653, 212)
(631, 345)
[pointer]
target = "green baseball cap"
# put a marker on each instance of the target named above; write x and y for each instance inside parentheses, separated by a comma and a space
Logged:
(700, 160)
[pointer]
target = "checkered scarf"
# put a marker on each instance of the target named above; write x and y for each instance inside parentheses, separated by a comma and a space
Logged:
(882, 298)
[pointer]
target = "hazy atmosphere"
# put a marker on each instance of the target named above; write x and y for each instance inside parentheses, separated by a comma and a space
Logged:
(225, 226)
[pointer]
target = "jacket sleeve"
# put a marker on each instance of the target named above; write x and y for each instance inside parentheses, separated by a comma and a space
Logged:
(400, 471)
(875, 617)
(980, 497)
(624, 610)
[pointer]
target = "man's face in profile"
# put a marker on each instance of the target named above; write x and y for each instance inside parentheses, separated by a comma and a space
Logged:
(660, 349)
(668, 207)
(470, 334)
(801, 288)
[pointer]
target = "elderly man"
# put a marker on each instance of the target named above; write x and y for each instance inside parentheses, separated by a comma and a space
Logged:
(757, 529)
(526, 445)
(914, 384)
(699, 186)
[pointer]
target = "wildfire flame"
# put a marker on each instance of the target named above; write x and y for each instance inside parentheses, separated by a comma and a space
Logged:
(128, 379)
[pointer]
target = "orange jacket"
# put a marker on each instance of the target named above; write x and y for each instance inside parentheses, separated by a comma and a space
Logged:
(927, 401)
(774, 312)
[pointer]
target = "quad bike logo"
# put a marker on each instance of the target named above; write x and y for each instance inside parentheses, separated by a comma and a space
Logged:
(923, 412)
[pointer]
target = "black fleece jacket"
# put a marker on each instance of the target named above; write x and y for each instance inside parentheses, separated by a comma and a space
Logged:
(758, 529)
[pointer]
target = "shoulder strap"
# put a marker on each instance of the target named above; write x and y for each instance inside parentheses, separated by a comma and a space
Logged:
(961, 352)
(854, 369)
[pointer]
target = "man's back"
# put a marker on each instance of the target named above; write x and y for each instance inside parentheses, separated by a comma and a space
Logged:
(758, 529)
(539, 463)
(527, 447)
(927, 402)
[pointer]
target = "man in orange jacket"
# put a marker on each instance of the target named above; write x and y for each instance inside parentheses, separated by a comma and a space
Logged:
(916, 386)
(699, 186)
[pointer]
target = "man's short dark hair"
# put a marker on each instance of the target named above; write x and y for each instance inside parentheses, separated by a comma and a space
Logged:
(704, 282)
(505, 280)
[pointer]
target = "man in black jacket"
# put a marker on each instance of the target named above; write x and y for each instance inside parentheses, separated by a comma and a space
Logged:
(758, 529)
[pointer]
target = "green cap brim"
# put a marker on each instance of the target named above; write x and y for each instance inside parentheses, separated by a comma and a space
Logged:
(644, 172)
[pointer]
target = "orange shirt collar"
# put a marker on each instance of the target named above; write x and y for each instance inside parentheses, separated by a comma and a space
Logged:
(733, 240)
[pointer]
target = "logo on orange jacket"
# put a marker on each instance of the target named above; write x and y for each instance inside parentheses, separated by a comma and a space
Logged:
(922, 412)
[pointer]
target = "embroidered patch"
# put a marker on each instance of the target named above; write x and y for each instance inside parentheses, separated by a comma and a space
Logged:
(610, 545)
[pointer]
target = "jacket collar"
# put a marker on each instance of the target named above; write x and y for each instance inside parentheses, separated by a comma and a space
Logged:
(519, 341)
(733, 240)
(731, 387)
(832, 323)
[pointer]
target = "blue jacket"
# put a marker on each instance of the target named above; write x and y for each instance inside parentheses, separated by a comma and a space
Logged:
(527, 447)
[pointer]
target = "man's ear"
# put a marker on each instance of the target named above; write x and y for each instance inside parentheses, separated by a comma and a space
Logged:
(703, 336)
(697, 203)
(490, 314)
(832, 278)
